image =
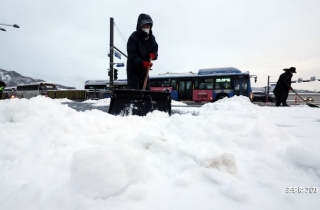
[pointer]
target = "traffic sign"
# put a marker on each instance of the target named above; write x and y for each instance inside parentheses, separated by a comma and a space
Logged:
(117, 54)
(120, 64)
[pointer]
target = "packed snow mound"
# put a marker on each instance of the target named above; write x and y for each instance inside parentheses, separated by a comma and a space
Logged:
(106, 102)
(53, 157)
(101, 102)
(22, 110)
(178, 103)
(100, 172)
(235, 103)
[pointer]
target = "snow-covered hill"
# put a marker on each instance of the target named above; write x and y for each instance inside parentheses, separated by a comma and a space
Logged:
(12, 78)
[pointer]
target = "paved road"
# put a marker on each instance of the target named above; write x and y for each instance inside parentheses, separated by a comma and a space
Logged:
(81, 107)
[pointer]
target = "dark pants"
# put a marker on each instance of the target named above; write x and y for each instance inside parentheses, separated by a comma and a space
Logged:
(282, 98)
(138, 84)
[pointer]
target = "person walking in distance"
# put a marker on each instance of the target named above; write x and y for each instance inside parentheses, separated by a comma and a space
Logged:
(2, 86)
(141, 48)
(283, 86)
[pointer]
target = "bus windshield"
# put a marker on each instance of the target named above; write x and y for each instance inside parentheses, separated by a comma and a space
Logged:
(95, 87)
(47, 87)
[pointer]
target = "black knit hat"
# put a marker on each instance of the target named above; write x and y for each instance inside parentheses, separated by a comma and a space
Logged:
(291, 69)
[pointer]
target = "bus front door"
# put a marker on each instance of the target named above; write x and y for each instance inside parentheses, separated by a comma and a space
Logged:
(241, 87)
(185, 90)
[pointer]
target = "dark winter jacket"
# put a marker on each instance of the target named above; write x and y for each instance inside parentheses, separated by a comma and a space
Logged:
(2, 86)
(139, 47)
(283, 84)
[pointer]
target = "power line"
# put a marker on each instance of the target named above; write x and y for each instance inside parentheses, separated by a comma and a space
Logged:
(121, 35)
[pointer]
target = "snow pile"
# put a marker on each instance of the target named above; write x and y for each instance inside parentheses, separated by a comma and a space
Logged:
(106, 102)
(178, 103)
(236, 103)
(233, 155)
(107, 176)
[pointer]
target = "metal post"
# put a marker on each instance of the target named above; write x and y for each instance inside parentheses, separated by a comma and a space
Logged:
(268, 84)
(111, 54)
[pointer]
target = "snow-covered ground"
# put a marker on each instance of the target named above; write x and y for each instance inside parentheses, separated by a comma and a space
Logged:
(231, 155)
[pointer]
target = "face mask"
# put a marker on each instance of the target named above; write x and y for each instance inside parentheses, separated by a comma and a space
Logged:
(147, 30)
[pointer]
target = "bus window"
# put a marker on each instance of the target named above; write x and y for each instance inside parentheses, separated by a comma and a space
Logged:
(164, 83)
(47, 87)
(236, 86)
(174, 84)
(223, 83)
(209, 85)
(27, 87)
(153, 83)
(95, 87)
(202, 86)
(244, 87)
(208, 80)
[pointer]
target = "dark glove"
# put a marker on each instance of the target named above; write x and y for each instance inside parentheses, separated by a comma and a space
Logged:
(146, 64)
(152, 56)
(290, 88)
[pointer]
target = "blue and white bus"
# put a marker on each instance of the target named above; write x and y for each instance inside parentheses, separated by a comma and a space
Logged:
(207, 85)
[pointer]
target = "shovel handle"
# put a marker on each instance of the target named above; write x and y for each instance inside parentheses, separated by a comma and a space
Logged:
(146, 78)
(300, 97)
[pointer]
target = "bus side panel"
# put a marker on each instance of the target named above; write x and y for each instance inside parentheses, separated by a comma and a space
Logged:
(231, 94)
(228, 92)
(202, 95)
(160, 89)
(174, 95)
(107, 95)
(27, 94)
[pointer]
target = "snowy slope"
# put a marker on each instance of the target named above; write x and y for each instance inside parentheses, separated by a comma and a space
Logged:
(12, 78)
(231, 155)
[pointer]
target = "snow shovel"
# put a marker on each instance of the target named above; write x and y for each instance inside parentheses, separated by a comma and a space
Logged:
(139, 102)
(311, 105)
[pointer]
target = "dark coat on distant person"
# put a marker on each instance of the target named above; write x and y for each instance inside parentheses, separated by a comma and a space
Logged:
(3, 85)
(139, 46)
(283, 85)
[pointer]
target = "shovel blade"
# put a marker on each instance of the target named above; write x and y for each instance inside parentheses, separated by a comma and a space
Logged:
(312, 105)
(138, 102)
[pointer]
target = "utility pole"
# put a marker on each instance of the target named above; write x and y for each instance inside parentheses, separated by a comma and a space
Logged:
(113, 73)
(110, 73)
(268, 85)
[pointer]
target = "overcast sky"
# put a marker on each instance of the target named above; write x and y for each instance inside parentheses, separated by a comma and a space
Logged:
(67, 41)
